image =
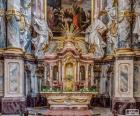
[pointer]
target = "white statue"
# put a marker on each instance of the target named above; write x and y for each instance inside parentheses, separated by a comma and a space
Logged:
(137, 23)
(94, 37)
(103, 79)
(112, 30)
(43, 31)
(25, 23)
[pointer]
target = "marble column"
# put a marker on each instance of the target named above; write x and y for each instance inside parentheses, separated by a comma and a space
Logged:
(2, 24)
(124, 63)
(14, 97)
(13, 20)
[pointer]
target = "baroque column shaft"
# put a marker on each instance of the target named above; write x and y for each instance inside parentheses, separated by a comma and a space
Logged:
(13, 28)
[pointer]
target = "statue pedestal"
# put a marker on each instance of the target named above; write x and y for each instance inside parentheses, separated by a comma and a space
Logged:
(13, 101)
(123, 87)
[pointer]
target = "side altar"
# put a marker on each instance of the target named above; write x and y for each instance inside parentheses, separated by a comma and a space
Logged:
(68, 73)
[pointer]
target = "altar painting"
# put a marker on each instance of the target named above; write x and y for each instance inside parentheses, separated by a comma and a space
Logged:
(69, 15)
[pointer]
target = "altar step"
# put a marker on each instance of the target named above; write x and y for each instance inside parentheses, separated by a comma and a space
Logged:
(69, 107)
(69, 113)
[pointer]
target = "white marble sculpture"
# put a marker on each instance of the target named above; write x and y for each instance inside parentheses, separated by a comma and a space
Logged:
(94, 37)
(137, 23)
(112, 40)
(103, 79)
(43, 31)
(25, 34)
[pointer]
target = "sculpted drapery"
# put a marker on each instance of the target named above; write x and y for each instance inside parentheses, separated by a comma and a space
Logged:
(41, 28)
(25, 24)
(94, 37)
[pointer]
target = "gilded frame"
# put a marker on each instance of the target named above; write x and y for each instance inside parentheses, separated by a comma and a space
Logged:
(92, 10)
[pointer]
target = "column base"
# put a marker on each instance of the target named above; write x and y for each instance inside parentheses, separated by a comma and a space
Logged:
(119, 105)
(13, 105)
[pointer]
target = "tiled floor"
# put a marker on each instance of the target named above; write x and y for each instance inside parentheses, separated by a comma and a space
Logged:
(95, 112)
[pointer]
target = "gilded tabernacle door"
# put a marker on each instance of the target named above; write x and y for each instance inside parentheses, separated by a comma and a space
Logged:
(69, 77)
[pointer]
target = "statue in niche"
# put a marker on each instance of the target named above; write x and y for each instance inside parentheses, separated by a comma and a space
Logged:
(2, 24)
(123, 78)
(94, 37)
(112, 30)
(43, 32)
(25, 24)
(32, 69)
(103, 79)
(137, 22)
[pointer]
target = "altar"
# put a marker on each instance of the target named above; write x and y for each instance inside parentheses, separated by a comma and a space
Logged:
(69, 64)
(68, 72)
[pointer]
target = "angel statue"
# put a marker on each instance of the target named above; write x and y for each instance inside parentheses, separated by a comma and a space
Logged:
(40, 42)
(137, 23)
(94, 37)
